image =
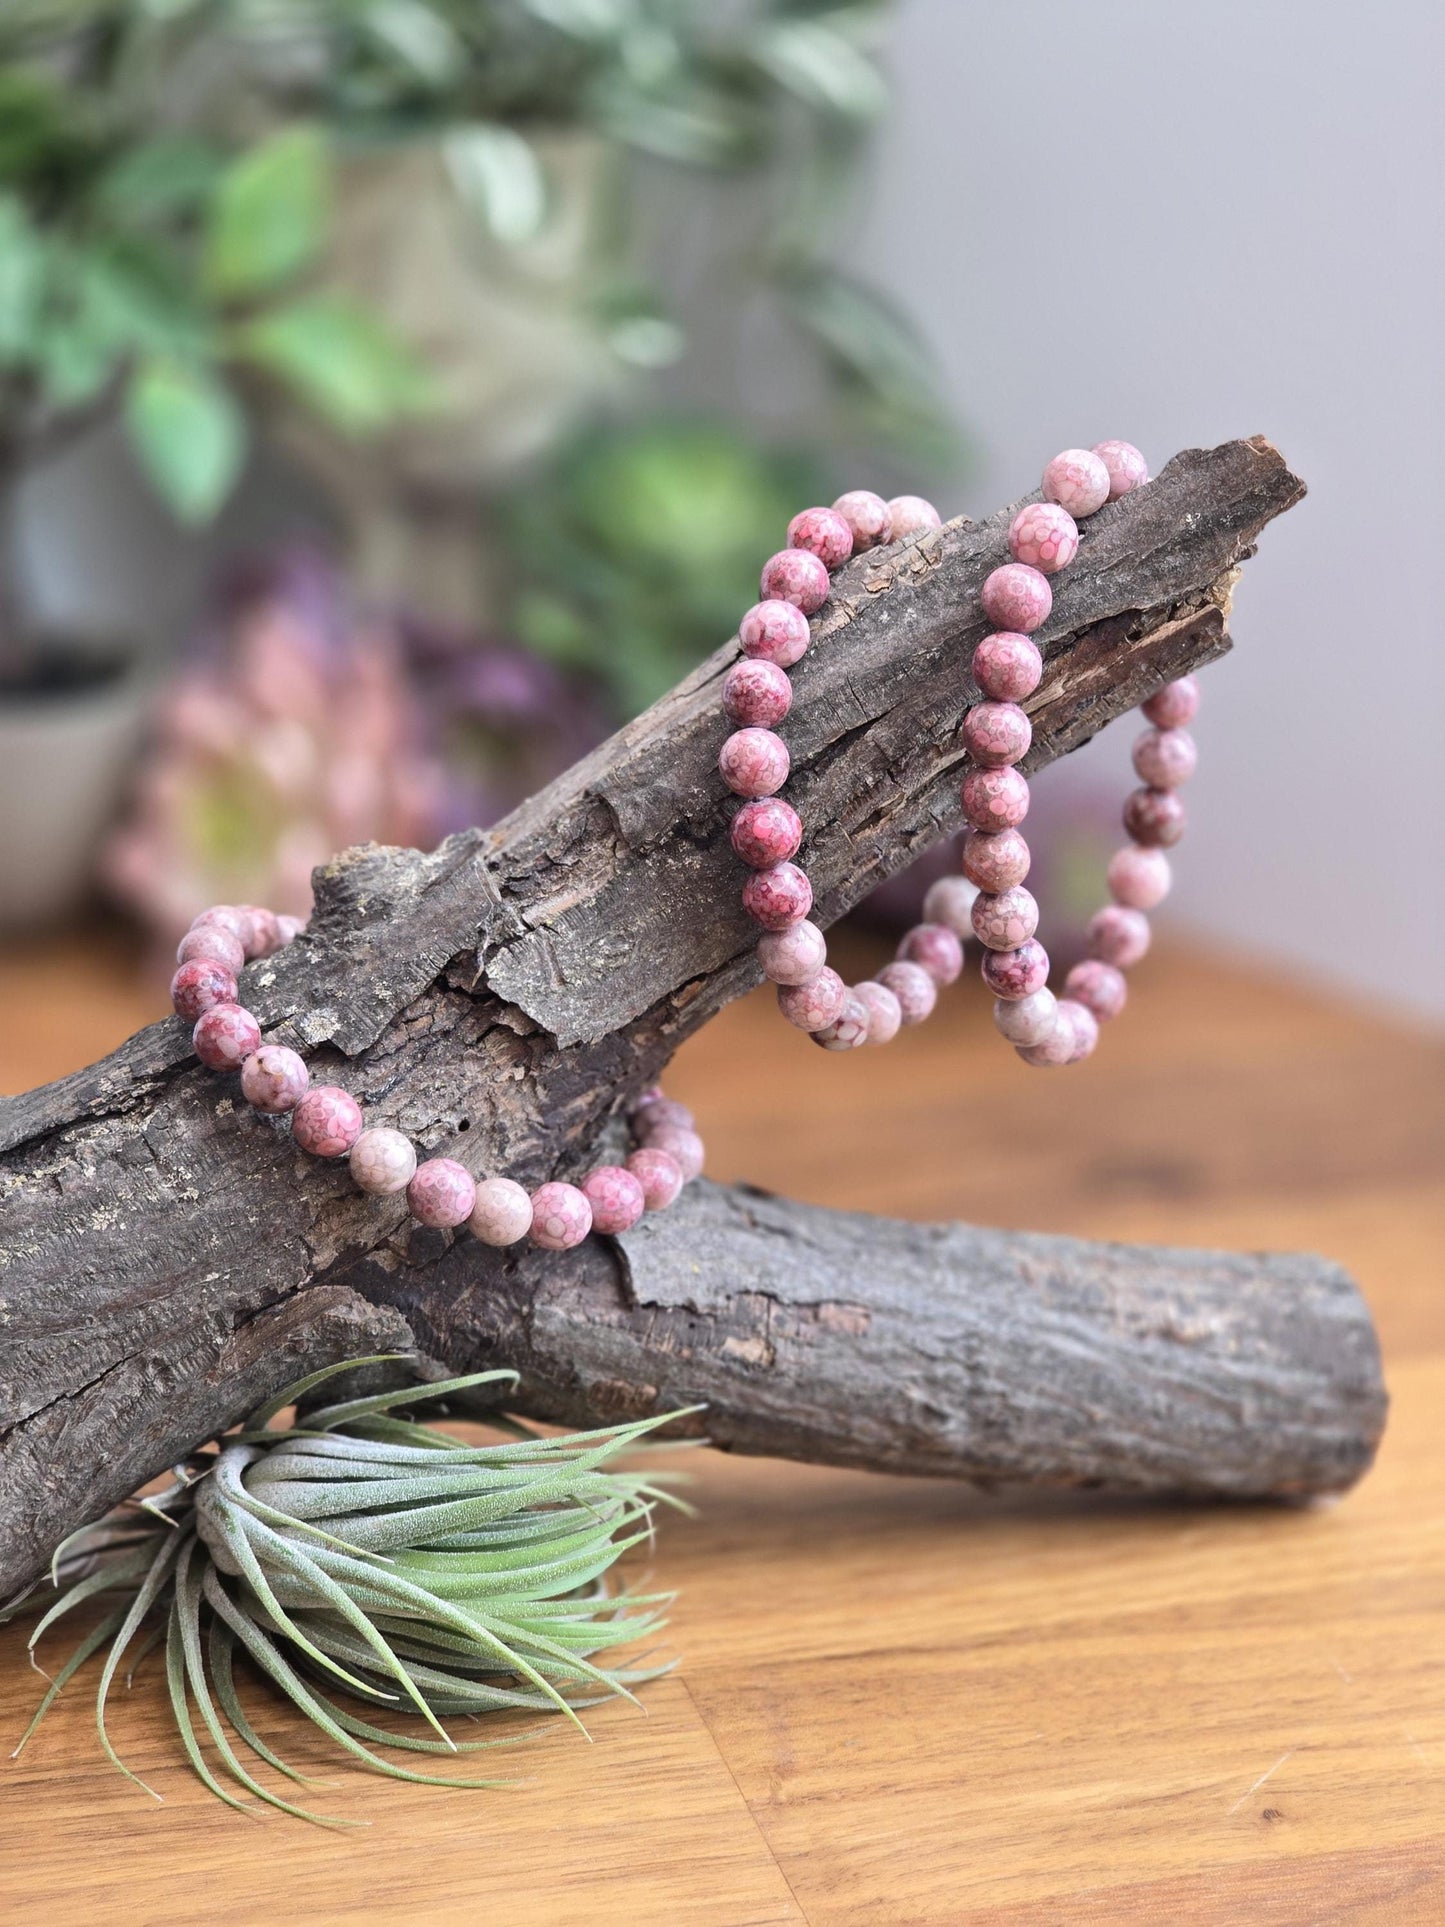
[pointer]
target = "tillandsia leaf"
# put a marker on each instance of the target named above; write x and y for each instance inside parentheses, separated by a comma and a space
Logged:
(389, 1560)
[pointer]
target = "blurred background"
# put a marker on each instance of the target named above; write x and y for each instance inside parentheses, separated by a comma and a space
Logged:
(366, 365)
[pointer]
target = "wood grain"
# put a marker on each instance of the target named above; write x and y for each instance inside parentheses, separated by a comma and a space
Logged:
(903, 1704)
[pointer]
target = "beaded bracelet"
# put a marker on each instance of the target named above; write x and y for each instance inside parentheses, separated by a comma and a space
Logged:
(988, 901)
(327, 1122)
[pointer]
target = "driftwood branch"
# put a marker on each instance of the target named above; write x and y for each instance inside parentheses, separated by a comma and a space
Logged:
(169, 1256)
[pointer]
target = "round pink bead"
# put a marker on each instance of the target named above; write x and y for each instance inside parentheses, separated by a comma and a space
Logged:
(274, 1079)
(561, 1216)
(766, 832)
(995, 799)
(1012, 974)
(754, 762)
(327, 1122)
(756, 694)
(1078, 481)
(794, 955)
(1006, 920)
(1085, 1027)
(441, 1194)
(383, 1161)
(1099, 987)
(1007, 666)
(1154, 818)
(1165, 758)
(660, 1114)
(265, 935)
(915, 990)
(911, 515)
(1073, 1036)
(1127, 469)
(1174, 705)
(502, 1214)
(792, 575)
(778, 897)
(1026, 1020)
(824, 533)
(1017, 597)
(290, 928)
(774, 632)
(995, 861)
(867, 516)
(815, 1004)
(616, 1197)
(1138, 879)
(225, 916)
(936, 948)
(224, 1036)
(684, 1145)
(1118, 936)
(660, 1176)
(885, 1014)
(950, 902)
(213, 943)
(1044, 536)
(996, 734)
(848, 1030)
(198, 986)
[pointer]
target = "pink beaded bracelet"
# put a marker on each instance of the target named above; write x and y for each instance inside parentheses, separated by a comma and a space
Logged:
(327, 1122)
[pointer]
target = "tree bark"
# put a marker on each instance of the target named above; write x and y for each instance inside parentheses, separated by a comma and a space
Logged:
(169, 1257)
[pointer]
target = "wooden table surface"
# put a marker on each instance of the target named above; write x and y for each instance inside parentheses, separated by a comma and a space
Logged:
(901, 1702)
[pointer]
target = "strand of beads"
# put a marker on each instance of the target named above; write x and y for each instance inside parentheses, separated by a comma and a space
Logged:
(767, 832)
(327, 1122)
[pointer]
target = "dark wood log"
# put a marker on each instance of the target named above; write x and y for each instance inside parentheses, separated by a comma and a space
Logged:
(169, 1256)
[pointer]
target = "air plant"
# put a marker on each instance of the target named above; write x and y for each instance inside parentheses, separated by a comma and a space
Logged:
(358, 1552)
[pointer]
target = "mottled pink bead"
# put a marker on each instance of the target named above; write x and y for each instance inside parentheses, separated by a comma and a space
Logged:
(1017, 597)
(1118, 936)
(766, 832)
(754, 762)
(213, 943)
(756, 694)
(290, 928)
(1085, 1027)
(502, 1214)
(824, 533)
(815, 1004)
(226, 916)
(1155, 818)
(1165, 758)
(1026, 1020)
(200, 985)
(1099, 987)
(1007, 666)
(1126, 467)
(561, 1216)
(327, 1122)
(1005, 920)
(792, 575)
(915, 990)
(950, 902)
(995, 799)
(274, 1079)
(660, 1114)
(885, 1014)
(616, 1197)
(996, 734)
(1078, 481)
(911, 515)
(1074, 1035)
(793, 955)
(1174, 705)
(1043, 536)
(684, 1145)
(849, 1029)
(1138, 879)
(1012, 974)
(265, 936)
(383, 1161)
(659, 1174)
(774, 632)
(995, 861)
(867, 516)
(224, 1036)
(778, 897)
(936, 948)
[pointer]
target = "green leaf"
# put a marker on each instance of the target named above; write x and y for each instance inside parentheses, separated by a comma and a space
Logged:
(22, 280)
(497, 174)
(268, 216)
(189, 434)
(339, 360)
(168, 175)
(822, 65)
